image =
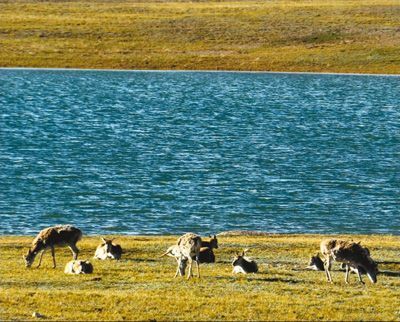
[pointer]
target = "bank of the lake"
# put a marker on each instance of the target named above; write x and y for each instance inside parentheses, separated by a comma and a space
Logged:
(330, 36)
(141, 287)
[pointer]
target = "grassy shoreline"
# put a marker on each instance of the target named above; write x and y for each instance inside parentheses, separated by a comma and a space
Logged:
(303, 36)
(141, 287)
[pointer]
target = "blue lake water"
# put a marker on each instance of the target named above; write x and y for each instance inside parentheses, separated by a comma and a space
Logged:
(170, 152)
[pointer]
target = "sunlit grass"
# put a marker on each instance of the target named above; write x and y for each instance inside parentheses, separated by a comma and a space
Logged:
(335, 36)
(141, 285)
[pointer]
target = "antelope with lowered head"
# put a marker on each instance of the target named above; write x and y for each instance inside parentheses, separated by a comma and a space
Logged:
(108, 250)
(61, 235)
(243, 264)
(350, 253)
(189, 246)
(174, 251)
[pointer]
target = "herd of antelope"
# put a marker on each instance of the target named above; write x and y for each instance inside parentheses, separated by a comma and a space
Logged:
(191, 248)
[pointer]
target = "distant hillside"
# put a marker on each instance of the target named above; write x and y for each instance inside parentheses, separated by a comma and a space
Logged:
(330, 36)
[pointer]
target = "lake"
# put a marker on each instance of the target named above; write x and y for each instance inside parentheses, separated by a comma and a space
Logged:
(132, 152)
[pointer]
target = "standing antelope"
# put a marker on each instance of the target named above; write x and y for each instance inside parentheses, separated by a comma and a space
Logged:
(61, 235)
(350, 253)
(108, 250)
(174, 251)
(189, 245)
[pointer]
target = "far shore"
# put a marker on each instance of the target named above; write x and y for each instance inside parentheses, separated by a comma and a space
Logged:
(244, 35)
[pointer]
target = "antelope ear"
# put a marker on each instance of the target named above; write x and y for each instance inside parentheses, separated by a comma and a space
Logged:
(104, 241)
(359, 242)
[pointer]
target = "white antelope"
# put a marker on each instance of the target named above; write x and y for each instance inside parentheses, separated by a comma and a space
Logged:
(350, 253)
(61, 235)
(108, 250)
(78, 267)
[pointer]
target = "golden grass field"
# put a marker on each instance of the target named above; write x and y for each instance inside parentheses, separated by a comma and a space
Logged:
(141, 286)
(277, 35)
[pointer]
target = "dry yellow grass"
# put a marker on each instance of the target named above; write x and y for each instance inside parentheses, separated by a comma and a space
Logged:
(330, 36)
(141, 287)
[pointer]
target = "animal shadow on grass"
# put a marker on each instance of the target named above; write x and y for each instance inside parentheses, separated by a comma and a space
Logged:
(390, 273)
(259, 278)
(388, 262)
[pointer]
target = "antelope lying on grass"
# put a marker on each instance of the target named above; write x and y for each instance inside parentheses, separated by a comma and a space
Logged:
(189, 245)
(206, 252)
(352, 254)
(61, 235)
(108, 250)
(212, 243)
(78, 267)
(243, 264)
(316, 263)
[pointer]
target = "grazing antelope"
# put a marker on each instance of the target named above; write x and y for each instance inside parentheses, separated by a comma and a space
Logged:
(175, 252)
(350, 253)
(316, 263)
(108, 250)
(189, 245)
(206, 256)
(243, 264)
(61, 235)
(78, 267)
(357, 269)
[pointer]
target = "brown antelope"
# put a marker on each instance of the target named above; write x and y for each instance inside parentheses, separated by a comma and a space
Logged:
(189, 245)
(243, 264)
(108, 250)
(350, 253)
(212, 243)
(78, 267)
(61, 235)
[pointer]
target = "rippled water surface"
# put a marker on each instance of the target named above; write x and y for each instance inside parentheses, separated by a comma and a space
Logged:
(170, 152)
